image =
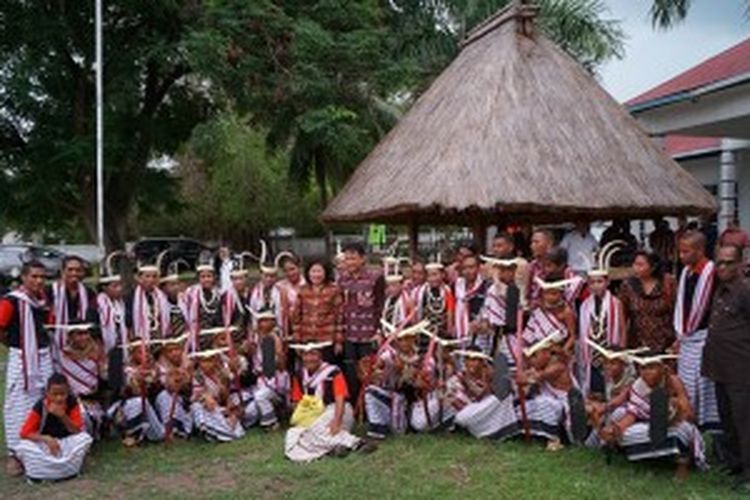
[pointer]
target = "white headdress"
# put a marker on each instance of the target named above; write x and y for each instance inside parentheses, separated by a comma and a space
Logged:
(205, 262)
(603, 258)
(107, 274)
(271, 269)
(435, 263)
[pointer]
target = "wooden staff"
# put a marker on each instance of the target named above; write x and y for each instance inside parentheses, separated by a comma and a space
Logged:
(519, 371)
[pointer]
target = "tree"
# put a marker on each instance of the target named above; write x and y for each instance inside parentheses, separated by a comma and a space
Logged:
(232, 188)
(156, 86)
(350, 62)
(666, 13)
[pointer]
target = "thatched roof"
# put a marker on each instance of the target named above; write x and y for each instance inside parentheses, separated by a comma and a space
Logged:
(515, 128)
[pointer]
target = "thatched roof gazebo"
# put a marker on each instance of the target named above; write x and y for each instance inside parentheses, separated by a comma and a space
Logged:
(515, 130)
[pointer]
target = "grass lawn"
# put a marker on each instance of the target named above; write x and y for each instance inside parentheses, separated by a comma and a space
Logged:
(448, 466)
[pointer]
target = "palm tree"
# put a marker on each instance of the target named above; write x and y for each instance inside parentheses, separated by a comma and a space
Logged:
(667, 13)
(330, 130)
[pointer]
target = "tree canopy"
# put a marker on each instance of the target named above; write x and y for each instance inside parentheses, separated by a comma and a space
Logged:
(322, 82)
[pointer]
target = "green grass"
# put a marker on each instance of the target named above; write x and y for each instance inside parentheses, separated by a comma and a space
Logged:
(447, 466)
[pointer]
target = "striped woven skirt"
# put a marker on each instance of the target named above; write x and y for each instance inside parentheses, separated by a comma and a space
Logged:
(700, 390)
(132, 421)
(305, 444)
(490, 418)
(215, 425)
(246, 399)
(93, 414)
(18, 400)
(428, 415)
(386, 412)
(40, 464)
(683, 438)
(546, 416)
(182, 419)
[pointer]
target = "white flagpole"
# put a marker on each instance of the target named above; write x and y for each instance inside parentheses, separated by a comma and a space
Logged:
(99, 131)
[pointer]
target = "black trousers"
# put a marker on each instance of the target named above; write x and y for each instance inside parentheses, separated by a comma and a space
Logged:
(734, 411)
(353, 352)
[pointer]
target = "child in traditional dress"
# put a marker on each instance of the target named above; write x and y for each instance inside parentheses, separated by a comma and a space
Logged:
(657, 385)
(133, 414)
(601, 322)
(402, 386)
(477, 408)
(618, 375)
(53, 441)
(173, 404)
(267, 294)
(548, 380)
(84, 365)
(553, 314)
(272, 381)
(213, 414)
(322, 420)
(172, 356)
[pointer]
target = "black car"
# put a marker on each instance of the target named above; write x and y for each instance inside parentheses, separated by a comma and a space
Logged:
(147, 249)
(12, 258)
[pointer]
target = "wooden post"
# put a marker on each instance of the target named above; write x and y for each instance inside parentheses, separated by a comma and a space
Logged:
(413, 239)
(480, 236)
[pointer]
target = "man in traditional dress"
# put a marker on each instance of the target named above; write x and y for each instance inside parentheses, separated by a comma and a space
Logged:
(691, 316)
(23, 314)
(322, 420)
(542, 241)
(504, 248)
(147, 312)
(53, 443)
(173, 404)
(363, 291)
(203, 303)
(417, 278)
(436, 302)
(235, 301)
(176, 303)
(504, 289)
(470, 289)
(111, 308)
(398, 308)
(71, 300)
(556, 263)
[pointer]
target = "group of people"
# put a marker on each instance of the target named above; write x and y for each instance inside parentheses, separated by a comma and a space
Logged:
(491, 345)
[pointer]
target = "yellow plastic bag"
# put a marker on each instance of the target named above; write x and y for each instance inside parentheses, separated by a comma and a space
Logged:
(308, 410)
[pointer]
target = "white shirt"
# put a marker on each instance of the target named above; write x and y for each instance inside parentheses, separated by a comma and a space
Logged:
(580, 248)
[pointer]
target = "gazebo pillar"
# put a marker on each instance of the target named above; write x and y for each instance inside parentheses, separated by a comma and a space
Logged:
(413, 239)
(479, 229)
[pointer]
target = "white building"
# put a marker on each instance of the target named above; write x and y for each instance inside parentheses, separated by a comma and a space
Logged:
(702, 117)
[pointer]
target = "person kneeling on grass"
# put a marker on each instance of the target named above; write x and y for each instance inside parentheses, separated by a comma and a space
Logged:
(322, 419)
(657, 420)
(53, 443)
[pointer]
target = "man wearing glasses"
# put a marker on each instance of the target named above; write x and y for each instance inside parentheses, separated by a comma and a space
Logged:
(726, 358)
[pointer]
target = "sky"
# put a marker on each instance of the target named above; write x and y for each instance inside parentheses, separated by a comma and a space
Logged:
(653, 56)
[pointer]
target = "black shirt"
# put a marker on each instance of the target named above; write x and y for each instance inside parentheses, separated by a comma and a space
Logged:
(726, 356)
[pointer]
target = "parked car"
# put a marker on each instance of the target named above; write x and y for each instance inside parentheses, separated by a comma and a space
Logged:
(12, 258)
(147, 249)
